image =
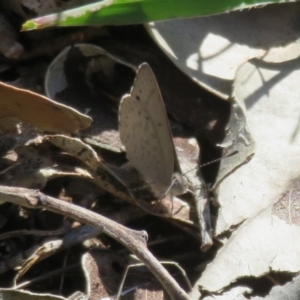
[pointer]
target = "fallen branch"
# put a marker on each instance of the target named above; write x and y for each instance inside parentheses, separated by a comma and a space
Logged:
(134, 240)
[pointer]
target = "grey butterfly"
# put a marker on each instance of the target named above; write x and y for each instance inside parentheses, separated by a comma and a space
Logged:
(146, 135)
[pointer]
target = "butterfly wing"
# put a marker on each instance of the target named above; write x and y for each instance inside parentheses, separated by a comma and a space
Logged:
(144, 131)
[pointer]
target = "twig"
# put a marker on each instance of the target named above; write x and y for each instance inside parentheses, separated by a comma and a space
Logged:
(134, 240)
(202, 207)
(142, 265)
(70, 239)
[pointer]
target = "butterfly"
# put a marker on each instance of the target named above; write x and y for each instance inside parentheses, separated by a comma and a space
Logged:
(145, 133)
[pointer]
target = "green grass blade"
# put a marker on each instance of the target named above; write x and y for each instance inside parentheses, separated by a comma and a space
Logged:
(122, 12)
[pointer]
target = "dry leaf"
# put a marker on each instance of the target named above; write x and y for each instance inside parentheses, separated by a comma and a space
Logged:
(90, 77)
(77, 148)
(40, 111)
(36, 166)
(112, 179)
(45, 249)
(211, 49)
(270, 91)
(267, 242)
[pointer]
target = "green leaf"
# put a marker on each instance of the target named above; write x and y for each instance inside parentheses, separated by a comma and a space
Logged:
(122, 12)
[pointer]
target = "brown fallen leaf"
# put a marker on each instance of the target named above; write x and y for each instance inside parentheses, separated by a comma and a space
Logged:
(40, 111)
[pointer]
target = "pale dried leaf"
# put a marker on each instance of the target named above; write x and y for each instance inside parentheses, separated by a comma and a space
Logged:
(271, 93)
(77, 148)
(211, 49)
(86, 73)
(266, 242)
(238, 140)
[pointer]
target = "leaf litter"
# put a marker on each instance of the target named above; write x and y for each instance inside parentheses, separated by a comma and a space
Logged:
(249, 221)
(263, 194)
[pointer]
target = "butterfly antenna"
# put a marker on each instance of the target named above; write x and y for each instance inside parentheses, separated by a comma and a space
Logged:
(213, 161)
(218, 159)
(168, 190)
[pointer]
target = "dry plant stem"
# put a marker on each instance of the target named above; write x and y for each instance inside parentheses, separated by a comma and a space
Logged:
(72, 237)
(142, 265)
(202, 206)
(135, 241)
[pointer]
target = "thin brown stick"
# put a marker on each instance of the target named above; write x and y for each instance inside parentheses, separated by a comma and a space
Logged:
(73, 237)
(134, 240)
